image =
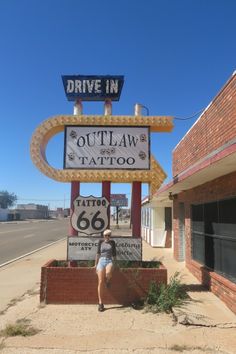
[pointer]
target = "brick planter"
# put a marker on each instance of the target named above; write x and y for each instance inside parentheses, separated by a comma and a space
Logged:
(78, 285)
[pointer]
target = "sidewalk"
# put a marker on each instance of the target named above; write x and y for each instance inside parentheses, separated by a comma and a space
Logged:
(205, 325)
(24, 275)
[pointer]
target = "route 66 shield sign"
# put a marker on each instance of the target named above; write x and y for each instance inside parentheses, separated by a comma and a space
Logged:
(90, 214)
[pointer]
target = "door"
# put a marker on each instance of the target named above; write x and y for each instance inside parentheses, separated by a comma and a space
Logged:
(181, 232)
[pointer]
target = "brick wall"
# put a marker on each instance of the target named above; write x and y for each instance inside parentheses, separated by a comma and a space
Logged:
(223, 288)
(215, 128)
(78, 285)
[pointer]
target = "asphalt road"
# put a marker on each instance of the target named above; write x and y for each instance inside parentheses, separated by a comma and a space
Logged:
(17, 239)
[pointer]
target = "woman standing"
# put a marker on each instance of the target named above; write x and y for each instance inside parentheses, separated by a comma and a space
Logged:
(106, 253)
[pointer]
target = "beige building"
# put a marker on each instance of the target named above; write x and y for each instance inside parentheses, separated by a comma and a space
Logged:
(157, 222)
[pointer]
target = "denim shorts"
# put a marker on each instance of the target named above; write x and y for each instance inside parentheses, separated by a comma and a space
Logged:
(103, 262)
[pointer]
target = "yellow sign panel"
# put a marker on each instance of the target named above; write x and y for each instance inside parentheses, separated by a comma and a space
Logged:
(154, 177)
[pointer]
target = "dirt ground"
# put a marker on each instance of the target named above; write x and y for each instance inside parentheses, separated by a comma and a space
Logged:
(72, 329)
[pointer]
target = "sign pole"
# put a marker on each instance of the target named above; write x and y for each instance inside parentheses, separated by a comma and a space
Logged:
(106, 185)
(117, 216)
(136, 196)
(75, 185)
(136, 207)
(75, 191)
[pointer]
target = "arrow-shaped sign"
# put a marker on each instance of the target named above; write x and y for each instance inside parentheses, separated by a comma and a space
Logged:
(154, 177)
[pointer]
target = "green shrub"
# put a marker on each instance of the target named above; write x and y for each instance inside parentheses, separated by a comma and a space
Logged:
(89, 263)
(137, 264)
(162, 297)
(151, 264)
(125, 264)
(60, 264)
(118, 264)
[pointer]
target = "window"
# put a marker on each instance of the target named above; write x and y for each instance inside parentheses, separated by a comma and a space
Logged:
(198, 242)
(146, 217)
(214, 236)
(168, 218)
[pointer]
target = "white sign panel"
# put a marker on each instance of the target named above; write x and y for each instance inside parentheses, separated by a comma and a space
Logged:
(118, 200)
(85, 248)
(88, 147)
(90, 214)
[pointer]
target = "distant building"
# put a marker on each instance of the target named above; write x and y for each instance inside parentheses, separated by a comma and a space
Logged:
(59, 213)
(4, 214)
(30, 211)
(157, 222)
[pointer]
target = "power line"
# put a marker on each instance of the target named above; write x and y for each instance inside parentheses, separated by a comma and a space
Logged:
(146, 108)
(190, 117)
(177, 118)
(43, 200)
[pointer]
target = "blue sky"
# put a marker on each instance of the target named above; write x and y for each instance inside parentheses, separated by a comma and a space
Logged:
(175, 56)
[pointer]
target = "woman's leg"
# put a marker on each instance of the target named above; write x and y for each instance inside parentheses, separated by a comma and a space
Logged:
(101, 281)
(109, 269)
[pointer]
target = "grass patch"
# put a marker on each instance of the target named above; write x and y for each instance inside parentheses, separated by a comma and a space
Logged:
(32, 292)
(42, 305)
(22, 327)
(162, 297)
(14, 301)
(2, 345)
(182, 348)
(179, 348)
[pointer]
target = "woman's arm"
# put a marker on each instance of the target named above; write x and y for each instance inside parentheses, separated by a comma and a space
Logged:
(113, 250)
(96, 259)
(98, 253)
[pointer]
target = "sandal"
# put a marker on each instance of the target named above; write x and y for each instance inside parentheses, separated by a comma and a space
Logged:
(100, 307)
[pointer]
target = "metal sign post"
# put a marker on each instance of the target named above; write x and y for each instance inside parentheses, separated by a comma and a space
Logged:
(117, 216)
(136, 201)
(75, 185)
(106, 185)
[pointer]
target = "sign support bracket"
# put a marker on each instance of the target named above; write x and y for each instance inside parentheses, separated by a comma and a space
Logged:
(75, 185)
(106, 185)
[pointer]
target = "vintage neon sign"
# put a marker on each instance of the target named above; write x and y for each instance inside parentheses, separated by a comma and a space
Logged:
(89, 147)
(92, 88)
(54, 125)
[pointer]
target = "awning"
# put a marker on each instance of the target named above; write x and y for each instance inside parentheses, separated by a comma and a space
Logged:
(219, 163)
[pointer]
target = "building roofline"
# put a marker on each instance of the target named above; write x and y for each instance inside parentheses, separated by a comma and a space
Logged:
(222, 161)
(208, 106)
